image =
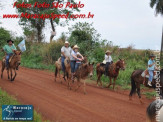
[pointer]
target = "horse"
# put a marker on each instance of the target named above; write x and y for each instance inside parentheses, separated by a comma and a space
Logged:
(137, 80)
(84, 70)
(67, 72)
(14, 62)
(58, 68)
(113, 71)
(154, 111)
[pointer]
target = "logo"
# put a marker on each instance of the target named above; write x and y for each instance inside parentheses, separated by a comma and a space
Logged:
(17, 112)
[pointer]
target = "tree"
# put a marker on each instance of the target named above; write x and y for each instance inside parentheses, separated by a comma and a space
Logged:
(85, 36)
(158, 4)
(4, 36)
(39, 24)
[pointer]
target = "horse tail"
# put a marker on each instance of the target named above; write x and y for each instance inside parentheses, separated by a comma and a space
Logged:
(56, 71)
(133, 86)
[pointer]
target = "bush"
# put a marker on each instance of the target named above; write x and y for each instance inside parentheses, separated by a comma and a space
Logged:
(52, 51)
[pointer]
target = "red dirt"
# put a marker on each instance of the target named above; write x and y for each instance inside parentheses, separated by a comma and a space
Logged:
(55, 102)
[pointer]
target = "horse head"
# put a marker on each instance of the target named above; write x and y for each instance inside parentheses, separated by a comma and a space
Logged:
(90, 68)
(121, 64)
(17, 58)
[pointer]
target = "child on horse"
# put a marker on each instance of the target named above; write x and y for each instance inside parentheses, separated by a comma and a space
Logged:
(78, 62)
(151, 68)
(9, 51)
(108, 60)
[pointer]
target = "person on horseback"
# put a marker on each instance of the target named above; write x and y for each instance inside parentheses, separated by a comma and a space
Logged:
(151, 68)
(65, 52)
(73, 59)
(9, 51)
(78, 62)
(108, 60)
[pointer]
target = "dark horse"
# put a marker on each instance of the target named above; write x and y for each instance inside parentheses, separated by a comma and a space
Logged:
(155, 111)
(113, 71)
(137, 80)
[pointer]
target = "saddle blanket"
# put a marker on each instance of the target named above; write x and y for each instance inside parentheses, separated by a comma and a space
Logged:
(147, 75)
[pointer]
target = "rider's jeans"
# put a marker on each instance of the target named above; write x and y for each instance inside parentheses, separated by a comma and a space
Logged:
(7, 58)
(150, 75)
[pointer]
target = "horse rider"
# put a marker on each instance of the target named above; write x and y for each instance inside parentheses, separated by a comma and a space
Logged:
(151, 68)
(9, 51)
(65, 53)
(108, 60)
(73, 60)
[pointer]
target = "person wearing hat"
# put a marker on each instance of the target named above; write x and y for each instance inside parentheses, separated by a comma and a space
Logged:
(9, 51)
(151, 68)
(108, 60)
(65, 52)
(73, 60)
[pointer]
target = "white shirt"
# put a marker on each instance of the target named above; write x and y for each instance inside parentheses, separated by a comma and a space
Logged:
(108, 58)
(66, 51)
(74, 53)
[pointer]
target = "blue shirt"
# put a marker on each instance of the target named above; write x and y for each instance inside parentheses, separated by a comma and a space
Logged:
(151, 62)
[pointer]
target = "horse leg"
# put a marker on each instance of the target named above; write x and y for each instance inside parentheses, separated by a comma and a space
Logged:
(78, 84)
(98, 77)
(8, 74)
(14, 75)
(110, 83)
(138, 92)
(11, 74)
(114, 83)
(69, 83)
(3, 67)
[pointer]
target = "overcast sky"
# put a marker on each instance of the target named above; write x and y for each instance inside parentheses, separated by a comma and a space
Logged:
(123, 22)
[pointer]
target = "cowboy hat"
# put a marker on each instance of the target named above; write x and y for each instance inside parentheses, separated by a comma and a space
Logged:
(152, 55)
(108, 51)
(66, 42)
(9, 41)
(76, 47)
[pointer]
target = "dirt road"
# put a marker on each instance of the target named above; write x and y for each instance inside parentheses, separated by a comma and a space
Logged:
(58, 104)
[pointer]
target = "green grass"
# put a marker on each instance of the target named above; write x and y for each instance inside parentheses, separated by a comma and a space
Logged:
(35, 62)
(6, 99)
(150, 95)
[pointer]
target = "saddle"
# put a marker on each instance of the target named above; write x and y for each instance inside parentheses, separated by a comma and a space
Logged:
(4, 59)
(102, 64)
(146, 74)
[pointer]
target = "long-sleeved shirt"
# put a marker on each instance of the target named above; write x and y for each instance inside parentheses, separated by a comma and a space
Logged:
(108, 58)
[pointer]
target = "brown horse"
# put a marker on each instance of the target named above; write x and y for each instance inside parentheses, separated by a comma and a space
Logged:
(137, 80)
(68, 70)
(15, 61)
(83, 71)
(113, 71)
(58, 68)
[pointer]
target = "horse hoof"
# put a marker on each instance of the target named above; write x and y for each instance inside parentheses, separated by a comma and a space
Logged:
(141, 101)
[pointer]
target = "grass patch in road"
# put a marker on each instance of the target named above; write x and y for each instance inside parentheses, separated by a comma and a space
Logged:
(6, 99)
(150, 95)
